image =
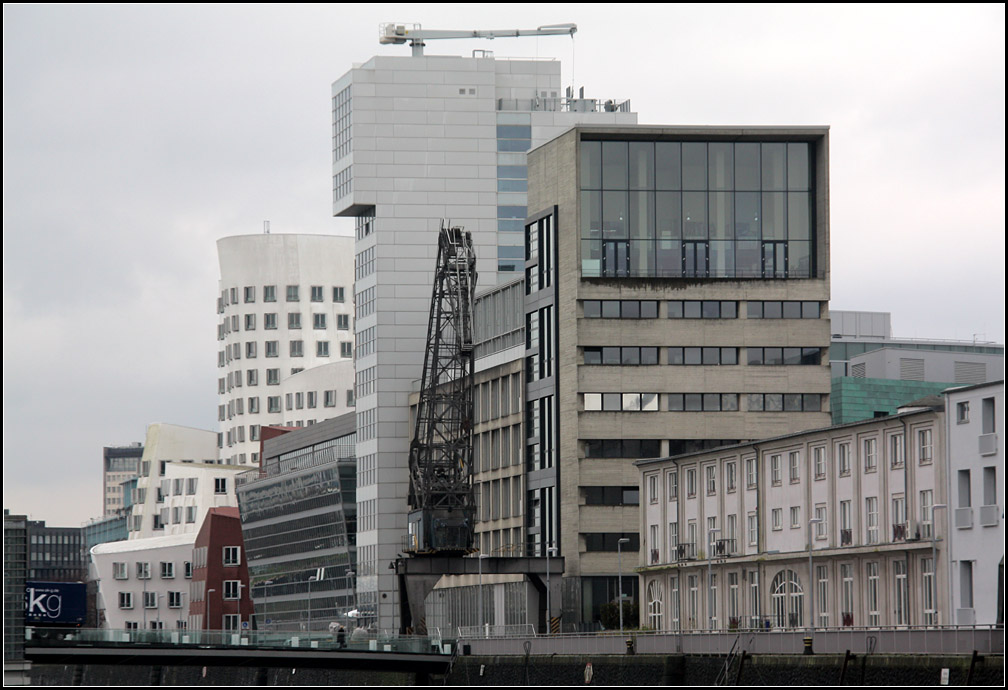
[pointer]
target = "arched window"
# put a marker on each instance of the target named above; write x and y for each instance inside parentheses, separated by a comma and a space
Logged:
(787, 600)
(654, 599)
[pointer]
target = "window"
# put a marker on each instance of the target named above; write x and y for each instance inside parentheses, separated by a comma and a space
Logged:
(819, 462)
(270, 322)
(273, 403)
(690, 483)
(821, 526)
(822, 594)
(269, 293)
(928, 591)
(775, 470)
(927, 519)
(673, 486)
(293, 295)
(873, 593)
(231, 621)
(925, 447)
(870, 455)
(783, 356)
(167, 570)
(896, 457)
(220, 485)
(319, 321)
(620, 309)
(125, 600)
(621, 356)
(707, 356)
(297, 348)
(142, 570)
(250, 350)
(294, 320)
(338, 294)
(795, 517)
(793, 467)
(653, 489)
(253, 405)
(190, 516)
(272, 378)
(707, 309)
(871, 520)
(316, 293)
(120, 571)
(250, 322)
(232, 556)
(150, 600)
(187, 570)
(174, 600)
(346, 350)
(752, 525)
(962, 412)
(847, 596)
(750, 466)
(777, 518)
(988, 412)
(312, 399)
(843, 459)
(730, 477)
(711, 471)
(782, 310)
(232, 589)
(343, 322)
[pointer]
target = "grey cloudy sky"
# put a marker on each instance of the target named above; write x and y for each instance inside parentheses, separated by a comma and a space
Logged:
(135, 137)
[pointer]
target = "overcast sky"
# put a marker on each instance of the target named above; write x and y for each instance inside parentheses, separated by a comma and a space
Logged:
(135, 137)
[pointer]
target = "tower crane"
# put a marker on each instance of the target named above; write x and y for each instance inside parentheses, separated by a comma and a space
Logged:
(392, 33)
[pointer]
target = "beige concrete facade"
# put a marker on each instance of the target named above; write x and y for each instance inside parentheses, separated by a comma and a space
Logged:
(555, 174)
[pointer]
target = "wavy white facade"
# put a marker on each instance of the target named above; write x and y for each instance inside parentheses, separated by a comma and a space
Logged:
(286, 335)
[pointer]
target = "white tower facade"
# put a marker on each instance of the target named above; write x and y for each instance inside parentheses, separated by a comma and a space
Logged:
(285, 334)
(415, 140)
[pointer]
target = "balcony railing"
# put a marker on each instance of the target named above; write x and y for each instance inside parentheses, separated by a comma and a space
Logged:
(899, 532)
(988, 444)
(654, 556)
(963, 517)
(723, 548)
(846, 537)
(685, 552)
(990, 516)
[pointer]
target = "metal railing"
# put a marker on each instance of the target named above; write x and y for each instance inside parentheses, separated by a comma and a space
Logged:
(366, 641)
(948, 640)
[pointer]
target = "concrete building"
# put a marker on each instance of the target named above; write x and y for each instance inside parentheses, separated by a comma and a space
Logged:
(119, 464)
(15, 573)
(180, 479)
(285, 334)
(975, 503)
(415, 140)
(727, 534)
(55, 554)
(299, 520)
(677, 281)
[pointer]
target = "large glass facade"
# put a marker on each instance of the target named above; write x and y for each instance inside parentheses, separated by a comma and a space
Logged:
(696, 209)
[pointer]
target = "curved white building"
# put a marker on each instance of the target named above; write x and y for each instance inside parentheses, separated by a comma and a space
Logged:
(286, 338)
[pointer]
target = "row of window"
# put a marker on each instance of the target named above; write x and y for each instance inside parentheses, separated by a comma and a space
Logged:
(702, 402)
(272, 349)
(702, 356)
(269, 294)
(319, 322)
(231, 592)
(700, 309)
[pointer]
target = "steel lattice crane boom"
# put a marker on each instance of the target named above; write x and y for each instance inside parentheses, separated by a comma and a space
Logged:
(440, 461)
(393, 33)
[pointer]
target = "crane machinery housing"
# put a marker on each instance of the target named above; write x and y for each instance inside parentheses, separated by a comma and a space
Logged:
(397, 34)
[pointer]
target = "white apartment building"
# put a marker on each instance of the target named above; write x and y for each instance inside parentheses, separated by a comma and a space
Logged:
(144, 583)
(416, 140)
(975, 511)
(725, 533)
(285, 334)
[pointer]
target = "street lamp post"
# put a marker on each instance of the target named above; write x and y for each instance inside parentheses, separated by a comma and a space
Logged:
(206, 609)
(710, 589)
(811, 577)
(619, 566)
(479, 596)
(934, 555)
(549, 608)
(311, 579)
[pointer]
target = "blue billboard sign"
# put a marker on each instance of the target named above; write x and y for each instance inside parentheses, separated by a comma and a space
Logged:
(55, 603)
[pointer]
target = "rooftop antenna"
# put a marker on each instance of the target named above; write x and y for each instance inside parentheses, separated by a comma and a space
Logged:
(265, 227)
